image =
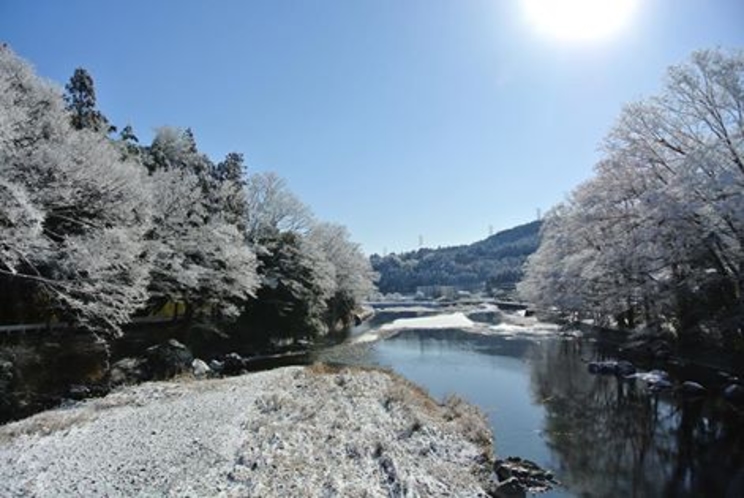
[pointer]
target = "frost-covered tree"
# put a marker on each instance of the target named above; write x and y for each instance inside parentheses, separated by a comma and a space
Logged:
(176, 148)
(228, 192)
(312, 275)
(353, 277)
(660, 227)
(271, 208)
(73, 212)
(296, 284)
(200, 255)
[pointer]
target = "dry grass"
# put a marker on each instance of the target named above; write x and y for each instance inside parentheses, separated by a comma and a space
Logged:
(470, 419)
(43, 424)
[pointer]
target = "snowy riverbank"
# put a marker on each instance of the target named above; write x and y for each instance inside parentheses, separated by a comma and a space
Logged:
(481, 319)
(288, 432)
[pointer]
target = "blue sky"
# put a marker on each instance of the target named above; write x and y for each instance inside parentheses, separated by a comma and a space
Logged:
(397, 118)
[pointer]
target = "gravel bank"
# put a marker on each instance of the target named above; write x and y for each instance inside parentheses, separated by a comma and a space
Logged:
(294, 431)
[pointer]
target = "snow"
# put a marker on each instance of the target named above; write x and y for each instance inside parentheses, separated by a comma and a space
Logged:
(456, 320)
(294, 431)
(517, 325)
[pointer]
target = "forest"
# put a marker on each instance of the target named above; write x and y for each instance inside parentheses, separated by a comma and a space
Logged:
(494, 263)
(98, 229)
(655, 239)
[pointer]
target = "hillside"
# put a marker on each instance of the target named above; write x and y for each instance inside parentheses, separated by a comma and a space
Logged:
(495, 262)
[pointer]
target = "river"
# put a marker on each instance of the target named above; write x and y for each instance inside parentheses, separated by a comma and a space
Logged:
(601, 436)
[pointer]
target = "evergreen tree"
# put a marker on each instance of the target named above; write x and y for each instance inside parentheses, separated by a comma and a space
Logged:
(80, 97)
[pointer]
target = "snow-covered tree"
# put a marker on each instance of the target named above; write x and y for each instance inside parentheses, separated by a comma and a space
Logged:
(271, 208)
(352, 271)
(73, 211)
(657, 236)
(312, 275)
(200, 255)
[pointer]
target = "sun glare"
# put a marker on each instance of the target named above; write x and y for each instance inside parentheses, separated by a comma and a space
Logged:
(579, 20)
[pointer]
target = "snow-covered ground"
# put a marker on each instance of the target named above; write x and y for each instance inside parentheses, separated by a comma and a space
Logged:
(289, 432)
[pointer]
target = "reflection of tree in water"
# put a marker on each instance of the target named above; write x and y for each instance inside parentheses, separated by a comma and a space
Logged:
(614, 439)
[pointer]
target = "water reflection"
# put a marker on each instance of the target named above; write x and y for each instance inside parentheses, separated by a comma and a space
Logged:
(603, 437)
(613, 438)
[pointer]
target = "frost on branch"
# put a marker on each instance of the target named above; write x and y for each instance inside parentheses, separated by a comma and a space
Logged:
(21, 224)
(75, 210)
(656, 238)
(200, 255)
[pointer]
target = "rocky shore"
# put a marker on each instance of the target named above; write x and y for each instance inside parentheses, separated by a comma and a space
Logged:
(295, 431)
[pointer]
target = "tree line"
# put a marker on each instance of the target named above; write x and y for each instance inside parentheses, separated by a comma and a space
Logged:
(492, 264)
(655, 238)
(97, 228)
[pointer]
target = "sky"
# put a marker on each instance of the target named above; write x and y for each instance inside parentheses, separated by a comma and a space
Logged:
(408, 121)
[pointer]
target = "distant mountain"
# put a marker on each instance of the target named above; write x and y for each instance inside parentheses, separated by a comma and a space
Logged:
(495, 262)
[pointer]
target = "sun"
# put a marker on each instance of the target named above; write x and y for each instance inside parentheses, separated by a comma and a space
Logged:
(579, 20)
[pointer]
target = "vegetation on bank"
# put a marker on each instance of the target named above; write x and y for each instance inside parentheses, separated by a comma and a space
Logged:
(656, 238)
(97, 228)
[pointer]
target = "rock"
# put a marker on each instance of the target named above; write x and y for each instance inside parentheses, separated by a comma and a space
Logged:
(529, 477)
(168, 359)
(128, 371)
(656, 380)
(510, 488)
(78, 392)
(233, 364)
(625, 368)
(734, 394)
(692, 389)
(216, 366)
(200, 368)
(597, 367)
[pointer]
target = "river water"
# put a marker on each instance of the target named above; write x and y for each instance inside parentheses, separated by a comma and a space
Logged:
(601, 436)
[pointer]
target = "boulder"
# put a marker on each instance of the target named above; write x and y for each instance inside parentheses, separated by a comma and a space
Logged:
(515, 477)
(656, 380)
(78, 392)
(168, 359)
(200, 369)
(233, 364)
(734, 394)
(692, 389)
(216, 366)
(129, 371)
(510, 488)
(625, 368)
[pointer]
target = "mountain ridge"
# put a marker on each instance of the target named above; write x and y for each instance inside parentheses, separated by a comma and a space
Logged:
(492, 263)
